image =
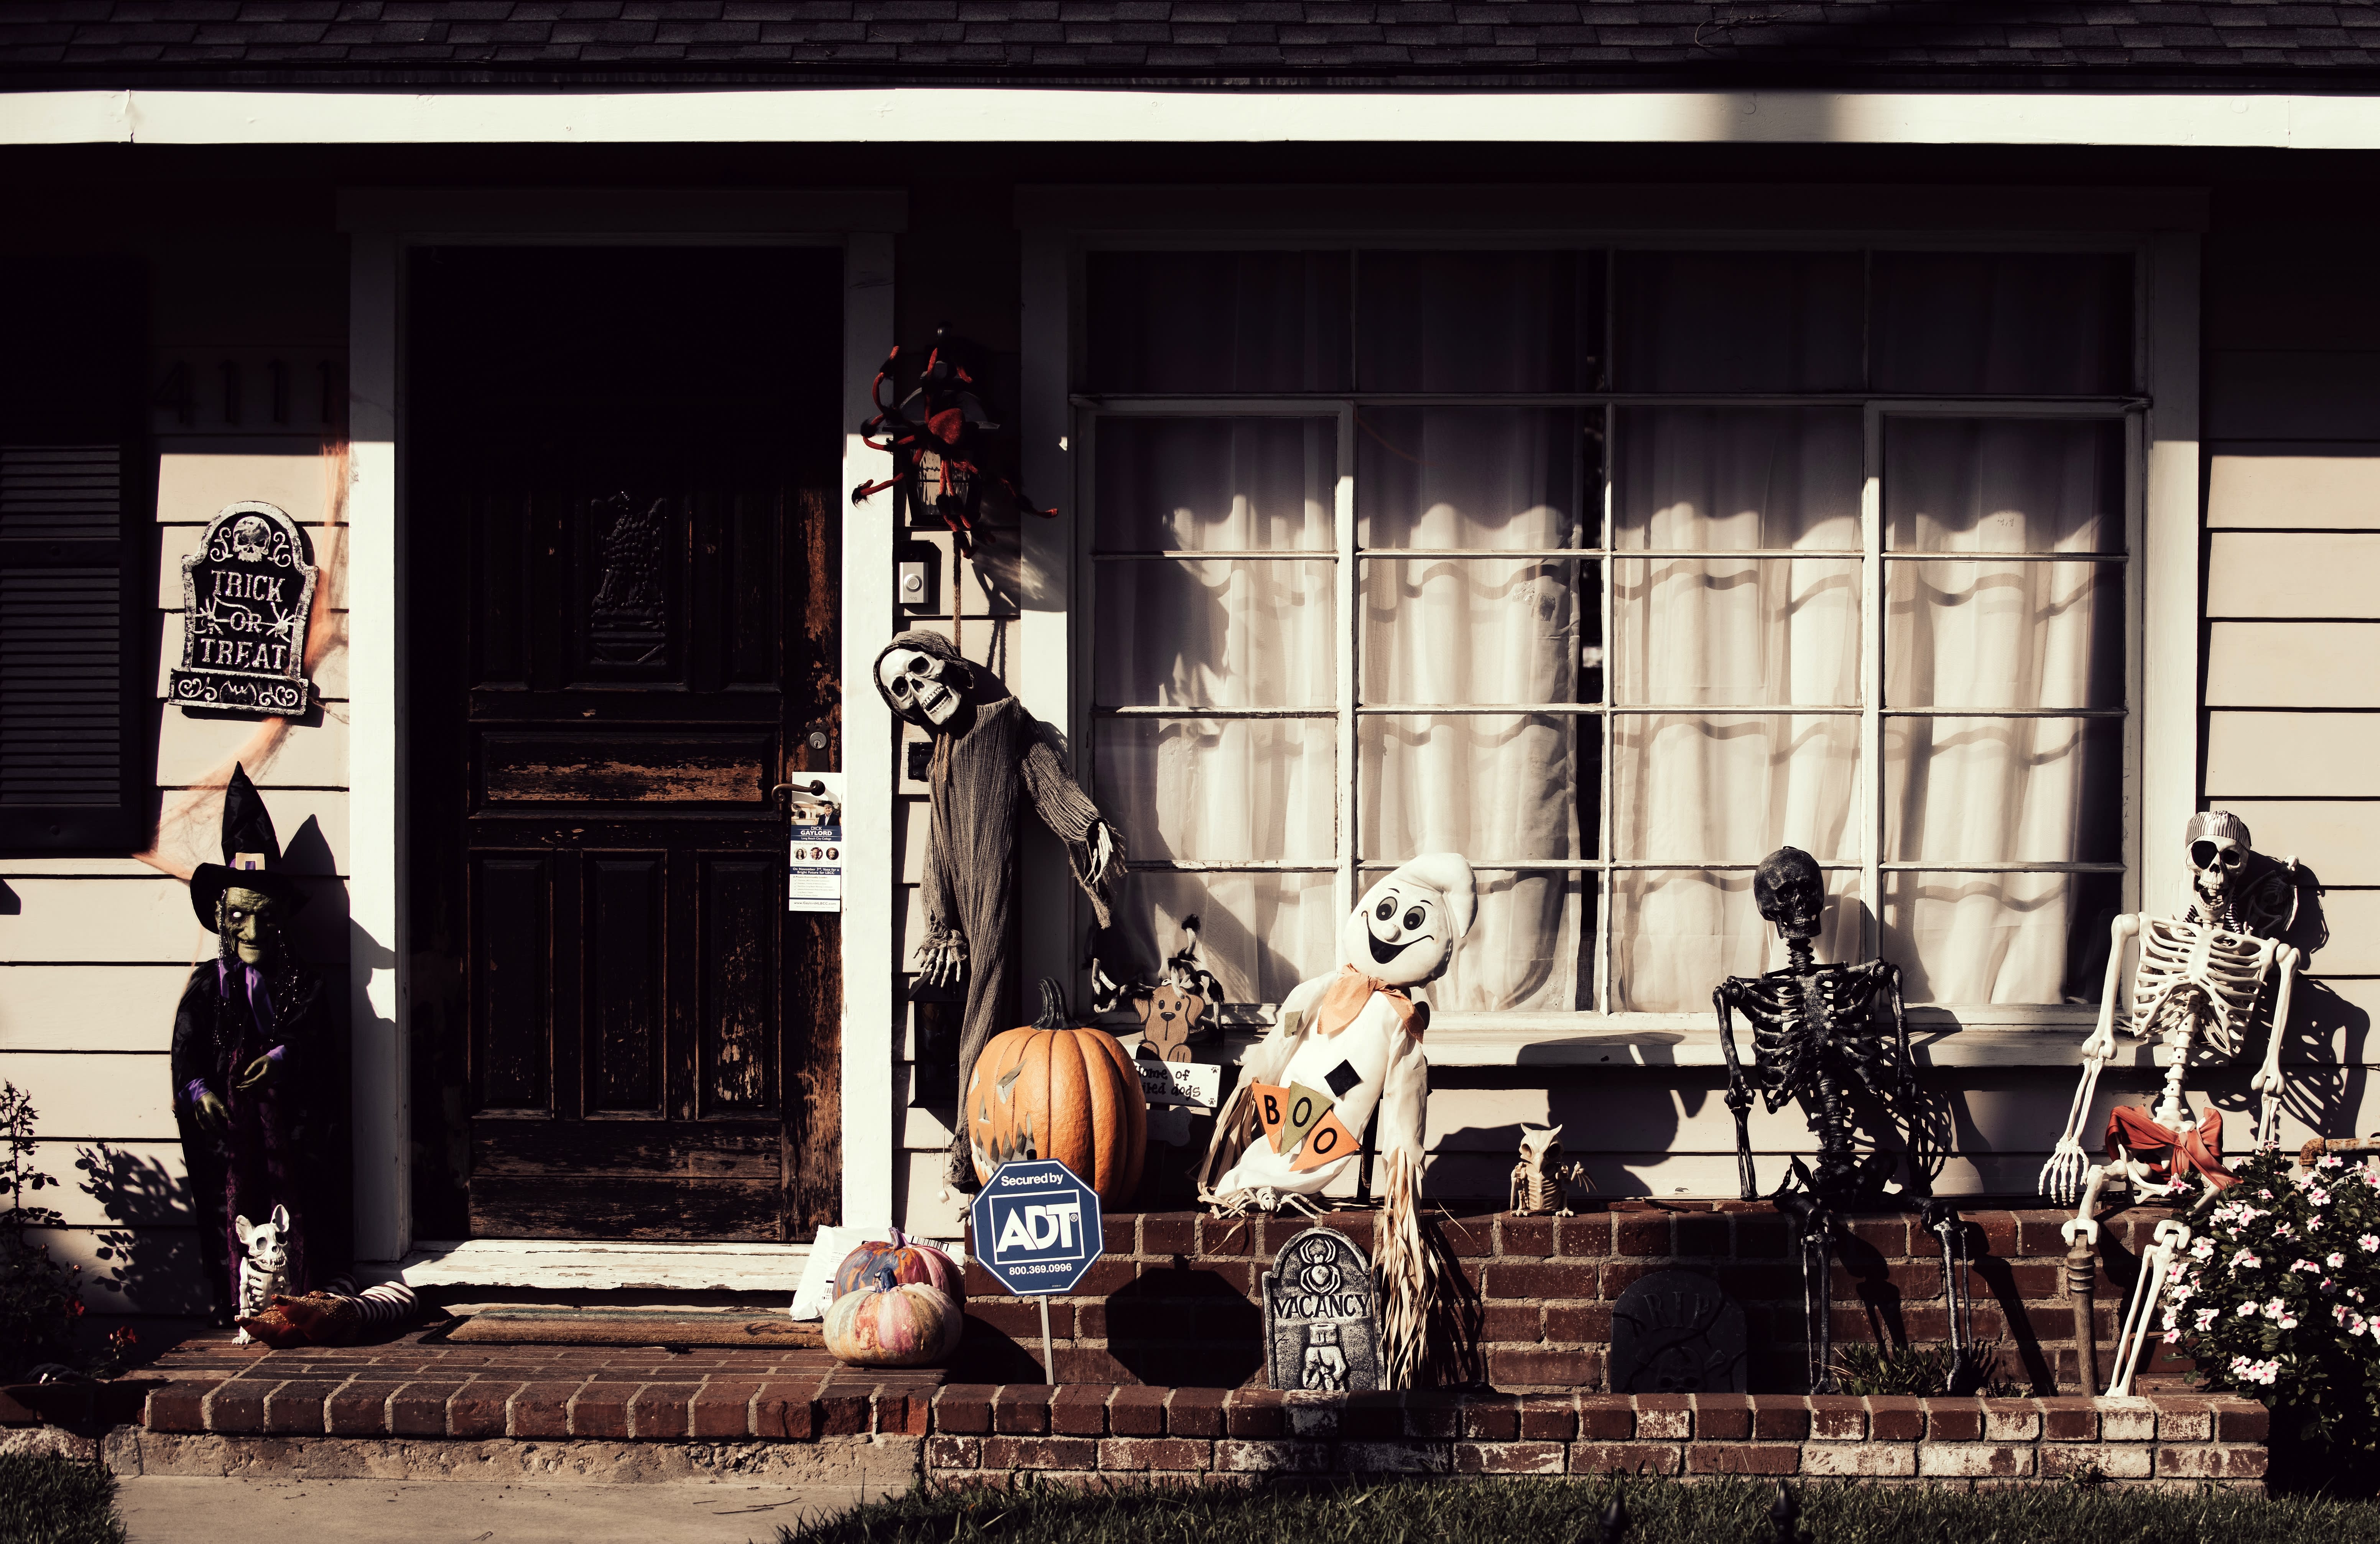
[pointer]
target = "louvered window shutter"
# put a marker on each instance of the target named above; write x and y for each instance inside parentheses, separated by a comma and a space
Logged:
(77, 652)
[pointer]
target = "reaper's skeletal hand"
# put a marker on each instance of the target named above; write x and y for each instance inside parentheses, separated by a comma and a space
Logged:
(2084, 1228)
(942, 959)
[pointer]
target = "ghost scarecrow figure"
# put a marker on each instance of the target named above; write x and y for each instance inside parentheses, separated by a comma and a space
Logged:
(989, 757)
(1344, 1046)
(251, 1025)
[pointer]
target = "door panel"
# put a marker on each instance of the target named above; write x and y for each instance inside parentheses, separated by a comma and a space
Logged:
(634, 452)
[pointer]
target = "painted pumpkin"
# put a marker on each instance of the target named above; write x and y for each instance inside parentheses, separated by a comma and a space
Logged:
(1052, 1089)
(892, 1323)
(911, 1262)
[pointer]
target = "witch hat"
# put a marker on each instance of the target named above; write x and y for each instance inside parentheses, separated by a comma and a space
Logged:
(251, 856)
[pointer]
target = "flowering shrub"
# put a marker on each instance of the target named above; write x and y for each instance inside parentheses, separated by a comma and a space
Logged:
(2277, 1295)
(39, 1299)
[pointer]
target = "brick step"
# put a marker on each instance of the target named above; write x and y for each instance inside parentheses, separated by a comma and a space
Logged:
(985, 1432)
(1175, 1298)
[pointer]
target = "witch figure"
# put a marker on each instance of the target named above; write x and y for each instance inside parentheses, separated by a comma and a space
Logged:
(989, 757)
(251, 1025)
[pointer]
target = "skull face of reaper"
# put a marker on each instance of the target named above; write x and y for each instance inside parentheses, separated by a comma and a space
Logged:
(250, 538)
(1790, 892)
(925, 689)
(2219, 846)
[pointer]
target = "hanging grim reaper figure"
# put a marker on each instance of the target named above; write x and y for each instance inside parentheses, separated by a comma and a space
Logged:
(251, 1025)
(990, 755)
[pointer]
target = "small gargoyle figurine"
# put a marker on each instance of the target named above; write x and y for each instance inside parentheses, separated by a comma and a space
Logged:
(1541, 1181)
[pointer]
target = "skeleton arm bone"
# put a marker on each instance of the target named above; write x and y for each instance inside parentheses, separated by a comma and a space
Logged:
(1739, 1098)
(2061, 1177)
(2267, 1080)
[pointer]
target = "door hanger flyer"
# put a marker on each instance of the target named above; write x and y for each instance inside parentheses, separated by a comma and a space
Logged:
(814, 863)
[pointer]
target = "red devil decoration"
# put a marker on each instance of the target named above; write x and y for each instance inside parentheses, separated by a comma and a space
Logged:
(940, 438)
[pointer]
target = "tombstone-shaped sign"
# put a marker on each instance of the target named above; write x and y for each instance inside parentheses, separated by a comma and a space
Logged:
(1675, 1333)
(1321, 1316)
(247, 594)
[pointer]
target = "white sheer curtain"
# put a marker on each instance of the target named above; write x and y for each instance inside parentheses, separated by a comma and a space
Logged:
(1729, 787)
(1739, 652)
(1999, 636)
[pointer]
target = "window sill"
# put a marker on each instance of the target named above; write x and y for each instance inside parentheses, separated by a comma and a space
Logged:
(1935, 1040)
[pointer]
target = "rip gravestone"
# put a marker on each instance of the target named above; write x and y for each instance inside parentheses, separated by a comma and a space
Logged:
(1675, 1333)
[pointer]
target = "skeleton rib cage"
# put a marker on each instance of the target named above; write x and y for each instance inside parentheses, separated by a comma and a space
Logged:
(1796, 1019)
(2193, 973)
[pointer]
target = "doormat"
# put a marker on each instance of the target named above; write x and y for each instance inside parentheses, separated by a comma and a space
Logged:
(633, 1327)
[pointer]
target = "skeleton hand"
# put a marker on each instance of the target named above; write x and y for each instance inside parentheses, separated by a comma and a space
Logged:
(2061, 1177)
(2084, 1228)
(942, 959)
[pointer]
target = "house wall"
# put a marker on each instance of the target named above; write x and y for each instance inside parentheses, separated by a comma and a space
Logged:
(94, 951)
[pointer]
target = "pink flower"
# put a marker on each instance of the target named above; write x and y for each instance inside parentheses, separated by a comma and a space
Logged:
(2207, 1318)
(2329, 1161)
(2173, 1337)
(2247, 1257)
(2368, 1243)
(2247, 1310)
(2274, 1309)
(2335, 1260)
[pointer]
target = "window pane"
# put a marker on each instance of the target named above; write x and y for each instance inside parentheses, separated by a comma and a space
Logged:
(1735, 632)
(2012, 324)
(2005, 634)
(1734, 788)
(2003, 790)
(1216, 321)
(2004, 485)
(1676, 934)
(1240, 485)
(1738, 321)
(1451, 629)
(1487, 785)
(1724, 478)
(1469, 477)
(1531, 947)
(1187, 633)
(1477, 322)
(1999, 938)
(1260, 934)
(1220, 790)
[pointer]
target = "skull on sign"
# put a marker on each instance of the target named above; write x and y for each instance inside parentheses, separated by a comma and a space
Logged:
(252, 538)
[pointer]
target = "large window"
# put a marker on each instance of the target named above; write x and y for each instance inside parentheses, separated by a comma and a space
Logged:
(1614, 571)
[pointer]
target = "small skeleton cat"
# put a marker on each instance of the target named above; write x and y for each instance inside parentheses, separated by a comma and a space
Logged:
(1541, 1180)
(264, 1263)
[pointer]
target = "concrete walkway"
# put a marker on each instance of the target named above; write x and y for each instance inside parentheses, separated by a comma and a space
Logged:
(171, 1510)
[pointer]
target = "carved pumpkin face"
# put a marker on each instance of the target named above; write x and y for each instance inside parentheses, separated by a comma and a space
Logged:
(1059, 1091)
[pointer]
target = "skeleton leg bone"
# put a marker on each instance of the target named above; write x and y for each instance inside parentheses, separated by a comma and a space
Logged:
(2267, 1081)
(2140, 1320)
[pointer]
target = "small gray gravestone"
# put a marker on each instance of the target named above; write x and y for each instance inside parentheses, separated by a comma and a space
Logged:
(1322, 1319)
(1675, 1333)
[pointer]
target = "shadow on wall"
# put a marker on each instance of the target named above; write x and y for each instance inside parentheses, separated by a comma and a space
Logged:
(149, 1261)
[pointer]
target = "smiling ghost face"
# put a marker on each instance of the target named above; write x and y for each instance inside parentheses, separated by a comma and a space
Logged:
(1402, 934)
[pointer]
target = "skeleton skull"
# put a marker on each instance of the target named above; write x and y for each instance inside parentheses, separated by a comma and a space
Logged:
(2219, 846)
(250, 538)
(1790, 892)
(924, 690)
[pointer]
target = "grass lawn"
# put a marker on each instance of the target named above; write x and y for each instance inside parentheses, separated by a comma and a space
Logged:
(1553, 1512)
(56, 1501)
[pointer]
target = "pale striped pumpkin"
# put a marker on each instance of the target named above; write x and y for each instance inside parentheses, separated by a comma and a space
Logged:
(893, 1323)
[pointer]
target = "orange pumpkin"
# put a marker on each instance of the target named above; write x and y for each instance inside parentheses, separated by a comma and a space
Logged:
(1052, 1089)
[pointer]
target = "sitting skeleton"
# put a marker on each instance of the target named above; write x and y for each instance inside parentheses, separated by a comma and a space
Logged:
(1541, 1181)
(1820, 1033)
(2199, 982)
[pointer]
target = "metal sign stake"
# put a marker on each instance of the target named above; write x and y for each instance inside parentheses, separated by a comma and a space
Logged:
(1049, 1361)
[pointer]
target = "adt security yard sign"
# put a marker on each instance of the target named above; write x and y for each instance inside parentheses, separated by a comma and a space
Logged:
(1037, 1230)
(1037, 1227)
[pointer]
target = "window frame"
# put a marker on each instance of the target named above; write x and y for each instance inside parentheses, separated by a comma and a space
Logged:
(2164, 288)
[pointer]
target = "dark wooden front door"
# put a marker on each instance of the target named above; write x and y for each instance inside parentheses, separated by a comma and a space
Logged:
(620, 561)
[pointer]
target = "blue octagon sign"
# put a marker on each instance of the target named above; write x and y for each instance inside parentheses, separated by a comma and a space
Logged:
(1037, 1227)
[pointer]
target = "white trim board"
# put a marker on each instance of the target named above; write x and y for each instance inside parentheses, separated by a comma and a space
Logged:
(1047, 114)
(596, 1265)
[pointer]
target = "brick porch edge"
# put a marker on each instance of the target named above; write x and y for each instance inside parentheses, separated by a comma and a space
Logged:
(1088, 1430)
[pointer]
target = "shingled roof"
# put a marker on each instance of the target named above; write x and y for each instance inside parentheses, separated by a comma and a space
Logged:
(2226, 45)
